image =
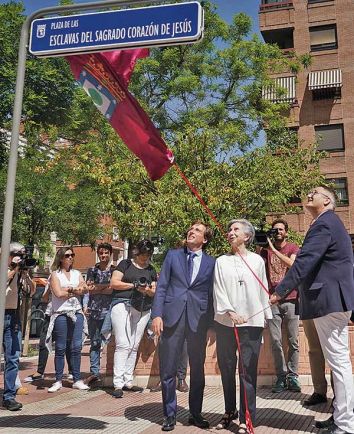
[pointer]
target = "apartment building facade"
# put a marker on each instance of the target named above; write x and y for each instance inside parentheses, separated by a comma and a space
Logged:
(322, 95)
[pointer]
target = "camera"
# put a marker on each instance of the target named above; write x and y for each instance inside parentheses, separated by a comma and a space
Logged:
(260, 238)
(142, 281)
(27, 261)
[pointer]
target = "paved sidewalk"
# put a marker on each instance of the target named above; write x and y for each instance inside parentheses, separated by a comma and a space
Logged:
(96, 411)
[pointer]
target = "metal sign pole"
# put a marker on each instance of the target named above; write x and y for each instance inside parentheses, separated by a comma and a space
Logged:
(16, 121)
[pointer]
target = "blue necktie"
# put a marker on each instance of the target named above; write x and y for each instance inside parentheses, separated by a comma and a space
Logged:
(191, 256)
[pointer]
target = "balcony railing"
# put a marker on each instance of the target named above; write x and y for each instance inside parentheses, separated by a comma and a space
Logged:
(264, 7)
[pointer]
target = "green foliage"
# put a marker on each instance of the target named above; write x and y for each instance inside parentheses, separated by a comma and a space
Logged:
(46, 201)
(49, 87)
(205, 98)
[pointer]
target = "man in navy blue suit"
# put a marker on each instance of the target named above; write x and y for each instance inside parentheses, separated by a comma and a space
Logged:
(323, 273)
(183, 309)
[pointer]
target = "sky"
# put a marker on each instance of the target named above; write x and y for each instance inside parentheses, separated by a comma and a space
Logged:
(226, 8)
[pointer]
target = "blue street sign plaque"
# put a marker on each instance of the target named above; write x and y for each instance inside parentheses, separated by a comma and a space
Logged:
(161, 25)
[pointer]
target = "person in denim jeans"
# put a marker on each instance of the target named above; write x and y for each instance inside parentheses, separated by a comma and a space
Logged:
(12, 337)
(67, 322)
(97, 304)
(43, 350)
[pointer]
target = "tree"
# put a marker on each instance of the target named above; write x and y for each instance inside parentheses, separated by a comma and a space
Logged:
(45, 201)
(49, 88)
(206, 99)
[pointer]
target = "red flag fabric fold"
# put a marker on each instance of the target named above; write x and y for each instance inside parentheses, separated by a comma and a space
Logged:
(105, 77)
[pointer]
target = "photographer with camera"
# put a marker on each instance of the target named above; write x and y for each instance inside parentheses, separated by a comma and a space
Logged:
(12, 337)
(279, 256)
(133, 283)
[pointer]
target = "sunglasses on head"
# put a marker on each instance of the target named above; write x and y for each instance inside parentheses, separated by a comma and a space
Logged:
(69, 255)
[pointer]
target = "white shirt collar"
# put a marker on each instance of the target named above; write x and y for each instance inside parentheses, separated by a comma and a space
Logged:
(197, 253)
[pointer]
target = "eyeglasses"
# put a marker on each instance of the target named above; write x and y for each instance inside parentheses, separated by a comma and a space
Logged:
(312, 193)
(69, 255)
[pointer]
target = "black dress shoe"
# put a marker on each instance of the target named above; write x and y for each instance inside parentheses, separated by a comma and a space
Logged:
(333, 429)
(315, 399)
(11, 404)
(198, 420)
(133, 389)
(324, 423)
(117, 393)
(169, 423)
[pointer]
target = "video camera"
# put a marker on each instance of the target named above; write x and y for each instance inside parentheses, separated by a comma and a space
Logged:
(27, 262)
(260, 238)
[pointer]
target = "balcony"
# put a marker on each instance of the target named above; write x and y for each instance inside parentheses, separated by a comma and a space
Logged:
(329, 78)
(283, 90)
(270, 5)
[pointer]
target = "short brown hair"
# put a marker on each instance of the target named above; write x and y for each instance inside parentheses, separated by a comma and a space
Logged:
(105, 246)
(209, 233)
(283, 222)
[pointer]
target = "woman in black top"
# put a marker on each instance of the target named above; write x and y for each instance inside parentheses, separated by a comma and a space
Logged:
(133, 283)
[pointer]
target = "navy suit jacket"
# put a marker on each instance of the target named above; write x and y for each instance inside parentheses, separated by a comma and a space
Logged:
(174, 293)
(323, 270)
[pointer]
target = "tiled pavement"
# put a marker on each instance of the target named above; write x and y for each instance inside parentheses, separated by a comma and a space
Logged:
(96, 411)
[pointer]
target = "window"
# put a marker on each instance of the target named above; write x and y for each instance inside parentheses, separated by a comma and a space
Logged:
(317, 1)
(282, 37)
(268, 5)
(323, 37)
(330, 137)
(329, 93)
(341, 189)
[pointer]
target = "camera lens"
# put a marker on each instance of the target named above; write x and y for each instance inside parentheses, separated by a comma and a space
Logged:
(142, 281)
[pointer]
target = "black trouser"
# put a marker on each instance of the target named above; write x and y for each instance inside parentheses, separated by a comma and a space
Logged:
(183, 363)
(226, 347)
(43, 350)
